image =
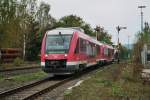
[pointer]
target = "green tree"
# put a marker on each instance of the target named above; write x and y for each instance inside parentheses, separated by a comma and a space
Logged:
(24, 22)
(74, 21)
(38, 25)
(102, 35)
(70, 21)
(142, 38)
(123, 52)
(8, 22)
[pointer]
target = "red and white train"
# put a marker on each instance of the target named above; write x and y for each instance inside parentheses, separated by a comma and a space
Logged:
(68, 50)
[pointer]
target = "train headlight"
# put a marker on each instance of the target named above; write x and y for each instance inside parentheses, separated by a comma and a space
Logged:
(65, 55)
(46, 55)
(43, 64)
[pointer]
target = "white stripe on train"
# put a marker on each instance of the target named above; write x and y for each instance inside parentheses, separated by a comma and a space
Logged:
(75, 63)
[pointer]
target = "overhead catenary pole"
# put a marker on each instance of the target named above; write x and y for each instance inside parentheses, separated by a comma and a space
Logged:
(141, 7)
(128, 46)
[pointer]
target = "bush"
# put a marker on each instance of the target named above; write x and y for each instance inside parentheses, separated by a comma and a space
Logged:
(18, 61)
(117, 90)
(127, 73)
(116, 72)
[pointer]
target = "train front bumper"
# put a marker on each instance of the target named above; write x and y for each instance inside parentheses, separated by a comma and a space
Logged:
(68, 70)
(62, 68)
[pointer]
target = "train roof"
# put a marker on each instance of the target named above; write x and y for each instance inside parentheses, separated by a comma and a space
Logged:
(56, 31)
(107, 45)
(71, 30)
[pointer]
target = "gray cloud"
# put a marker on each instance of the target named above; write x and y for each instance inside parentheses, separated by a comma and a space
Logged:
(107, 13)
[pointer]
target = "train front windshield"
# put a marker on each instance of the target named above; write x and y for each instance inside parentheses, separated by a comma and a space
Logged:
(58, 44)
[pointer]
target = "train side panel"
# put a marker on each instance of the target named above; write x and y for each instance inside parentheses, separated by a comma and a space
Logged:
(83, 51)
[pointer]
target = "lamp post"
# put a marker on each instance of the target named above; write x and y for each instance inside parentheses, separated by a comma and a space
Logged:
(141, 7)
(119, 28)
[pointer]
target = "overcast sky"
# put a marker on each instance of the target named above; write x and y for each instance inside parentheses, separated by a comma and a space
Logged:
(106, 13)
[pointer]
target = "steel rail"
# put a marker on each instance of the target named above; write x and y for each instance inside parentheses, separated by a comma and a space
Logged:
(16, 69)
(48, 89)
(21, 88)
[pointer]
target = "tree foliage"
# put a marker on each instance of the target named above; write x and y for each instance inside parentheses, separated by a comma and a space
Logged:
(142, 38)
(24, 21)
(123, 52)
(74, 21)
(103, 35)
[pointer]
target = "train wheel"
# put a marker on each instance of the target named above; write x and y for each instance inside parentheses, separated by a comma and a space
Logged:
(82, 67)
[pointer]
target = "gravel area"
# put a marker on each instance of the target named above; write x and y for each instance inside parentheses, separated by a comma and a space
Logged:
(58, 93)
(29, 91)
(19, 72)
(11, 66)
(9, 83)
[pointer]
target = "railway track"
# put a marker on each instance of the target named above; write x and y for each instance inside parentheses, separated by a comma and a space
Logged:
(31, 91)
(16, 71)
(34, 90)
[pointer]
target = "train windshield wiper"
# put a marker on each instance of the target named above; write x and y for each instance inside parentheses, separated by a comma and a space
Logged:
(61, 37)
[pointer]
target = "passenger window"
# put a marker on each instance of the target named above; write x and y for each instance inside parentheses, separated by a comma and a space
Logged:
(98, 50)
(82, 45)
(106, 51)
(89, 49)
(77, 47)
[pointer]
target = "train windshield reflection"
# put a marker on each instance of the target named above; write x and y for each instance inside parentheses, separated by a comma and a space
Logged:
(57, 44)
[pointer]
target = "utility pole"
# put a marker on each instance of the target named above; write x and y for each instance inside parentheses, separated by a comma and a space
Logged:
(128, 46)
(119, 28)
(141, 7)
(97, 29)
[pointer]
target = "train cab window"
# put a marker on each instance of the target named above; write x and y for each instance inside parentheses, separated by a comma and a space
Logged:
(58, 44)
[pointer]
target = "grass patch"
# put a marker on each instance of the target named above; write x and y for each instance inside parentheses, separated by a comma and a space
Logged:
(25, 77)
(18, 61)
(114, 83)
(67, 92)
(1, 77)
(28, 77)
(18, 80)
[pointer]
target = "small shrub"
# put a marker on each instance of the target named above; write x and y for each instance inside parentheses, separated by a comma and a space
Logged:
(137, 69)
(117, 90)
(115, 74)
(127, 73)
(105, 82)
(67, 92)
(18, 61)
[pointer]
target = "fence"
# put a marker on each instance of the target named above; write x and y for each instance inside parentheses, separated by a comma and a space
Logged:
(8, 55)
